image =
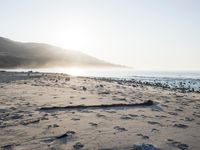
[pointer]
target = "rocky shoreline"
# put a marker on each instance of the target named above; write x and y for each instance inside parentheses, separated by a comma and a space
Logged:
(181, 86)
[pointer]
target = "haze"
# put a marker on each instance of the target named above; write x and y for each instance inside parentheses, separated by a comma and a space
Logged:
(143, 34)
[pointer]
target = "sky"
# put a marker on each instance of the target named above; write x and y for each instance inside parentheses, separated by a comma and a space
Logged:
(143, 34)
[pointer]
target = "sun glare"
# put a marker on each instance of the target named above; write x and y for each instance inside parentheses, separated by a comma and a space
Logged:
(74, 37)
(74, 71)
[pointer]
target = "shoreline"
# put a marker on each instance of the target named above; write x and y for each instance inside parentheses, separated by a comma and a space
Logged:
(171, 122)
(130, 82)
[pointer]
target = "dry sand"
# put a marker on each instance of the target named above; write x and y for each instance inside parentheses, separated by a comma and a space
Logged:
(171, 123)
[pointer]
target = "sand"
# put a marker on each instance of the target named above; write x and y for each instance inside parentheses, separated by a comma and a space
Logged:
(172, 122)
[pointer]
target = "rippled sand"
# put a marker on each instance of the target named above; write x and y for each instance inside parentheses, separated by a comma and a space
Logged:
(172, 122)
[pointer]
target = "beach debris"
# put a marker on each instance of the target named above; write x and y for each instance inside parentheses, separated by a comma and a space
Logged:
(143, 104)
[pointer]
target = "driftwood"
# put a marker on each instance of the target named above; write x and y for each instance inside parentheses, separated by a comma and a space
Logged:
(146, 103)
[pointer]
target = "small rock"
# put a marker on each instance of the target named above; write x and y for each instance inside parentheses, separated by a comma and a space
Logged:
(78, 146)
(183, 146)
(55, 126)
(7, 147)
(67, 134)
(84, 88)
(144, 147)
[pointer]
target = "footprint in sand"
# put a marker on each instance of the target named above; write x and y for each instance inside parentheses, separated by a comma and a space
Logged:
(100, 115)
(120, 129)
(93, 124)
(75, 119)
(189, 119)
(179, 145)
(183, 126)
(173, 113)
(53, 126)
(154, 123)
(125, 117)
(111, 111)
(143, 136)
(155, 130)
(64, 138)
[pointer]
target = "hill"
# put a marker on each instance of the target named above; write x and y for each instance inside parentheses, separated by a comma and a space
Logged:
(38, 55)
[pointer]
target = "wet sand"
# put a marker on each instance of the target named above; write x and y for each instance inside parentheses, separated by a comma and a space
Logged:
(171, 122)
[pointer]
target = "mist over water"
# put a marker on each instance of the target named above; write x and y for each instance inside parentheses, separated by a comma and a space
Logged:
(117, 73)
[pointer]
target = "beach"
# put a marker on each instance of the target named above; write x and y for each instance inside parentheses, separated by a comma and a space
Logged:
(58, 111)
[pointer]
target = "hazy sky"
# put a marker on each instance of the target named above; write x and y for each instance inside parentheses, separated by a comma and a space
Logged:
(144, 34)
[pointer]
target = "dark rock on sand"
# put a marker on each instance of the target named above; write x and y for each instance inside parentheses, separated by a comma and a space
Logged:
(183, 146)
(144, 147)
(78, 146)
(84, 88)
(7, 147)
(67, 134)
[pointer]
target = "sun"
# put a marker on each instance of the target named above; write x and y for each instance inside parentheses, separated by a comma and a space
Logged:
(72, 37)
